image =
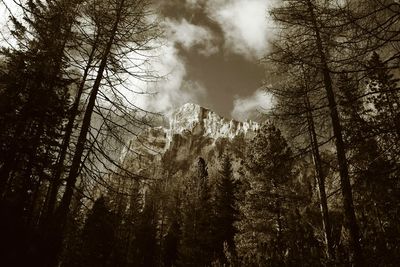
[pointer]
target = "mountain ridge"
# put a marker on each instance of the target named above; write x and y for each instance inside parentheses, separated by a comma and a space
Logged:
(194, 131)
(190, 116)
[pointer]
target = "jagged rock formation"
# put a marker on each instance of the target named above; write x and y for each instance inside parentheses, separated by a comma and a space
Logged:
(193, 131)
(201, 121)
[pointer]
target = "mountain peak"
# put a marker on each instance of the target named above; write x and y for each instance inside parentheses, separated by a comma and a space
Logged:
(193, 131)
(202, 121)
(190, 105)
(189, 110)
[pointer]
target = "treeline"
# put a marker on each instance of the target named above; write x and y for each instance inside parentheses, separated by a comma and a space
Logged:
(268, 216)
(266, 213)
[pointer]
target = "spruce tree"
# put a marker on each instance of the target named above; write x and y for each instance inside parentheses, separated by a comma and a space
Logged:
(196, 247)
(34, 100)
(384, 98)
(98, 235)
(370, 163)
(146, 236)
(226, 212)
(260, 240)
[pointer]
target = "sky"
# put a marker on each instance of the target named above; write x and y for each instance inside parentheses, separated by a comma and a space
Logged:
(217, 47)
(210, 55)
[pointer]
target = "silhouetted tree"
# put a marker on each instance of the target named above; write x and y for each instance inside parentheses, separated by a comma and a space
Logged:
(226, 211)
(98, 235)
(313, 47)
(196, 247)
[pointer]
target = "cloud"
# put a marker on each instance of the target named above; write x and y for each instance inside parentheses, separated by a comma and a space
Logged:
(173, 89)
(194, 3)
(189, 35)
(245, 24)
(246, 32)
(249, 107)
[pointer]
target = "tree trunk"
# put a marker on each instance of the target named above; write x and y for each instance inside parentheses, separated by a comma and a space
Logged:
(321, 182)
(60, 217)
(51, 202)
(350, 217)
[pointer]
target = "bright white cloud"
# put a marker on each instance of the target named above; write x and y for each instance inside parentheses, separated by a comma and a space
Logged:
(245, 24)
(246, 108)
(173, 89)
(190, 35)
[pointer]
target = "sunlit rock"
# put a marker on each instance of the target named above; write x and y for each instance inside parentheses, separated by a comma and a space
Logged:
(193, 132)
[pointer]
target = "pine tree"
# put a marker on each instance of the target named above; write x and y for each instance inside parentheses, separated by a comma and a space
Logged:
(171, 244)
(126, 203)
(305, 39)
(146, 235)
(196, 247)
(33, 106)
(226, 212)
(35, 97)
(113, 21)
(384, 98)
(98, 235)
(372, 169)
(260, 240)
(171, 240)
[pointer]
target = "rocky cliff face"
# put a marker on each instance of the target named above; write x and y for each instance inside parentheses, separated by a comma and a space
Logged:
(201, 121)
(193, 131)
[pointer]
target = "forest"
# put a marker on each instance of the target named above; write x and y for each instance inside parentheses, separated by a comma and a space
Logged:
(318, 184)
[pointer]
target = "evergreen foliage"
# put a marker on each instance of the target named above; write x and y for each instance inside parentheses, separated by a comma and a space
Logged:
(226, 212)
(197, 247)
(260, 240)
(96, 247)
